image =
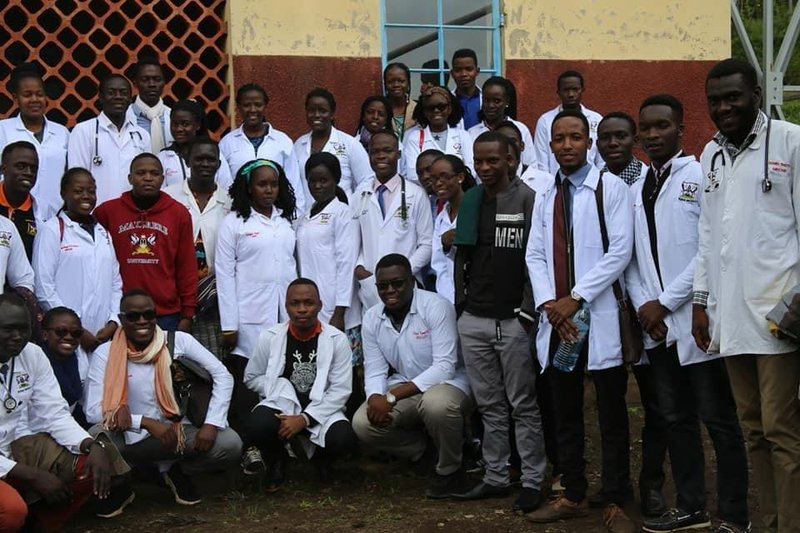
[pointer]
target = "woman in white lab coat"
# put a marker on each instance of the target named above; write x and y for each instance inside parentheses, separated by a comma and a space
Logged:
(451, 178)
(187, 122)
(74, 262)
(328, 241)
(50, 139)
(324, 137)
(438, 114)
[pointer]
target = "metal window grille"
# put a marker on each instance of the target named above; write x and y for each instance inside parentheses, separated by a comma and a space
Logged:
(78, 42)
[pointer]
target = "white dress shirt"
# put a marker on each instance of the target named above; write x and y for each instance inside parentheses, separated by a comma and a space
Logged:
(177, 170)
(543, 155)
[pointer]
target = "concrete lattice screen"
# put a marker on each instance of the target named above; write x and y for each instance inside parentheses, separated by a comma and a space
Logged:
(77, 42)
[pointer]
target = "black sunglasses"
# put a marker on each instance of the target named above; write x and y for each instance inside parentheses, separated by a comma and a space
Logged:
(134, 316)
(63, 332)
(437, 107)
(396, 284)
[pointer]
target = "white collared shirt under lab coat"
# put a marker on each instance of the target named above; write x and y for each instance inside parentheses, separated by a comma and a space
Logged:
(255, 263)
(327, 250)
(176, 170)
(749, 254)
(528, 156)
(77, 271)
(209, 220)
(332, 385)
(14, 265)
(677, 212)
(424, 351)
(141, 120)
(142, 391)
(443, 264)
(52, 153)
(594, 270)
(347, 149)
(39, 405)
(381, 236)
(236, 150)
(417, 140)
(117, 148)
(544, 156)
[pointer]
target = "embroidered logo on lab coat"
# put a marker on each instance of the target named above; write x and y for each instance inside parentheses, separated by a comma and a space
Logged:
(421, 335)
(5, 239)
(688, 191)
(712, 181)
(325, 218)
(339, 148)
(143, 244)
(23, 381)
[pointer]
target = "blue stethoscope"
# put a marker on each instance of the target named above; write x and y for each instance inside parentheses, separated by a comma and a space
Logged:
(97, 160)
(766, 183)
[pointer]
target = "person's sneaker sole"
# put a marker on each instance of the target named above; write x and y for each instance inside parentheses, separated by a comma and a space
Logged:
(256, 471)
(178, 499)
(702, 525)
(119, 510)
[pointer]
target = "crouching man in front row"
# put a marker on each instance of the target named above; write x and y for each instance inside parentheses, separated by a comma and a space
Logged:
(129, 391)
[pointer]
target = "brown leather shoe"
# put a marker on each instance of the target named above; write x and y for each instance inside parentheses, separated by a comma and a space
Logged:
(617, 521)
(559, 508)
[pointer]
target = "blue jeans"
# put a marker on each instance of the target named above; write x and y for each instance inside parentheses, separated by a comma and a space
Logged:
(168, 322)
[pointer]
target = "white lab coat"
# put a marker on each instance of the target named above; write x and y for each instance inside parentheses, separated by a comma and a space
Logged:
(77, 271)
(677, 212)
(327, 250)
(40, 405)
(254, 264)
(528, 156)
(544, 156)
(749, 252)
(425, 351)
(332, 386)
(443, 264)
(142, 391)
(417, 140)
(14, 265)
(352, 158)
(117, 148)
(594, 270)
(176, 170)
(536, 179)
(410, 237)
(236, 149)
(52, 153)
(209, 220)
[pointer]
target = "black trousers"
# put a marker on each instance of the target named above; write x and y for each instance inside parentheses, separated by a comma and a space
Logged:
(567, 392)
(242, 399)
(654, 432)
(688, 394)
(262, 430)
(544, 398)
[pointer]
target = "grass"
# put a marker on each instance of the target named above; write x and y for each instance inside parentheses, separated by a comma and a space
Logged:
(791, 109)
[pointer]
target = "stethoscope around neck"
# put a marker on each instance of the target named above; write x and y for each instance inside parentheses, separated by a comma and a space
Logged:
(97, 160)
(766, 183)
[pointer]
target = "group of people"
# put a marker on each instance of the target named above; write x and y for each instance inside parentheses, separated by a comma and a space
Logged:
(440, 278)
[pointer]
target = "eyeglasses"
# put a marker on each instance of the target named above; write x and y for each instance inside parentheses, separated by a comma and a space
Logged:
(436, 107)
(396, 284)
(135, 316)
(63, 332)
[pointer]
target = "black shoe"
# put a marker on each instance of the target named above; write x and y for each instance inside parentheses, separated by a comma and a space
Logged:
(597, 500)
(528, 501)
(116, 502)
(276, 473)
(442, 487)
(482, 490)
(653, 503)
(677, 520)
(181, 486)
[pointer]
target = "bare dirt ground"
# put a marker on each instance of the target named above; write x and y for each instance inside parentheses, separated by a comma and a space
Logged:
(377, 497)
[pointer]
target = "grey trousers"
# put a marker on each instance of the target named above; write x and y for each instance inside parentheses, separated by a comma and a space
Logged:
(226, 450)
(440, 411)
(497, 354)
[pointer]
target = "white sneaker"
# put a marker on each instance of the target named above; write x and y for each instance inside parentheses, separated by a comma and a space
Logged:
(252, 462)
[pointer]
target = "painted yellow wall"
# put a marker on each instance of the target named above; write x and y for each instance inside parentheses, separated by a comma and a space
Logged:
(617, 29)
(342, 28)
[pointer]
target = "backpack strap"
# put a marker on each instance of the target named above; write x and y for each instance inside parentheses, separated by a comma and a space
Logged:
(60, 228)
(171, 344)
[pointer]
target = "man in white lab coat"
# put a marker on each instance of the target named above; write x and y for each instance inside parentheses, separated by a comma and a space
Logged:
(571, 266)
(688, 384)
(148, 110)
(415, 381)
(748, 258)
(569, 88)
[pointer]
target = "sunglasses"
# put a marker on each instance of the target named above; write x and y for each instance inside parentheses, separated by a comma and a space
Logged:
(437, 107)
(396, 284)
(63, 332)
(135, 316)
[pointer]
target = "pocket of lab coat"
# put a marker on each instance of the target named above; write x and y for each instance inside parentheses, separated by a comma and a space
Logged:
(687, 218)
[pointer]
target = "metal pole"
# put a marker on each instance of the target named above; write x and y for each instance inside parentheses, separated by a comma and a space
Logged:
(769, 29)
(749, 51)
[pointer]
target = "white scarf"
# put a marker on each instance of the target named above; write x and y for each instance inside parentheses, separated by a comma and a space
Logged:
(153, 114)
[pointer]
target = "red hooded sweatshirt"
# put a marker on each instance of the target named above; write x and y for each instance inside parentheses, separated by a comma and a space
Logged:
(155, 250)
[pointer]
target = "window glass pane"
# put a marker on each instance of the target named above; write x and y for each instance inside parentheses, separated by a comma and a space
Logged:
(467, 12)
(478, 40)
(411, 11)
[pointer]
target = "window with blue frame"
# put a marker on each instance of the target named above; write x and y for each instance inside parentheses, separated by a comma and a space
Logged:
(423, 34)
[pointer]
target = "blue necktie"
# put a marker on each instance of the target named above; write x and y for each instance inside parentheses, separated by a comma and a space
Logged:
(382, 189)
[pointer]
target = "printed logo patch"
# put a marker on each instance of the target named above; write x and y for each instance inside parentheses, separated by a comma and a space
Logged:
(143, 243)
(339, 148)
(5, 239)
(688, 191)
(325, 218)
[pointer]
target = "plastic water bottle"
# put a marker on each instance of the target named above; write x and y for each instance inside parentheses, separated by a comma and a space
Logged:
(566, 356)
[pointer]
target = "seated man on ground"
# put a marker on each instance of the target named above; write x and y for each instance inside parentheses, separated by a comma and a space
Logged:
(129, 390)
(49, 474)
(415, 381)
(302, 370)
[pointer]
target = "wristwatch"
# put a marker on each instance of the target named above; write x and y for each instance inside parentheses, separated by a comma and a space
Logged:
(575, 296)
(391, 399)
(91, 444)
